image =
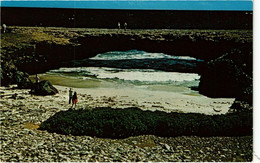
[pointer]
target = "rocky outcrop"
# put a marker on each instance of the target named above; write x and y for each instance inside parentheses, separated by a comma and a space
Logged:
(244, 101)
(44, 88)
(7, 71)
(11, 75)
(229, 76)
(22, 80)
(222, 78)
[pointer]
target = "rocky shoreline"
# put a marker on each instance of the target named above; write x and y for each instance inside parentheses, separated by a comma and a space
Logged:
(22, 113)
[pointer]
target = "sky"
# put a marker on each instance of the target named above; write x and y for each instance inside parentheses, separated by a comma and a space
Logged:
(233, 5)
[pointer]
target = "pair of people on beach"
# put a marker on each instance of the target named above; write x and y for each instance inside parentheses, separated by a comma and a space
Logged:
(73, 98)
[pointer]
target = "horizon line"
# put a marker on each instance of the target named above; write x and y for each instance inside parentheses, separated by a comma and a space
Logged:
(220, 5)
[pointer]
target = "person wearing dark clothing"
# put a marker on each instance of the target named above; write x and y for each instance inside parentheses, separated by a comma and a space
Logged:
(70, 95)
(37, 79)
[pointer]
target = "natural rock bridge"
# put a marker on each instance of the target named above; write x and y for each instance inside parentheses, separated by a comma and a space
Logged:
(40, 49)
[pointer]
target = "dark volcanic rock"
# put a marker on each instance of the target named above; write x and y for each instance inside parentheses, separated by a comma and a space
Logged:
(246, 95)
(11, 75)
(44, 88)
(7, 71)
(22, 80)
(229, 76)
(219, 79)
(244, 101)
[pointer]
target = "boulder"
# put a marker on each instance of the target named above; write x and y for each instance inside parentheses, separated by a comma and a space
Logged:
(230, 76)
(226, 77)
(22, 80)
(7, 73)
(244, 101)
(44, 88)
(10, 74)
(220, 79)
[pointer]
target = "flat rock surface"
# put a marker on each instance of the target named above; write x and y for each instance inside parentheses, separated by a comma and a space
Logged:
(153, 34)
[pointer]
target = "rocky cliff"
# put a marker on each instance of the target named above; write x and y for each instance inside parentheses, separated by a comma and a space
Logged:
(230, 75)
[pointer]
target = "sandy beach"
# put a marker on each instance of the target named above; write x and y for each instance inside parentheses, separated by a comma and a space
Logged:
(100, 93)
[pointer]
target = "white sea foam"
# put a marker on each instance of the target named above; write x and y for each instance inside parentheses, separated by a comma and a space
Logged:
(67, 70)
(140, 75)
(135, 54)
(145, 76)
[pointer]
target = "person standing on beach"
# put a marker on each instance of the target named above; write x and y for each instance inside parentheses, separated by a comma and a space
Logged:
(70, 95)
(74, 99)
(37, 79)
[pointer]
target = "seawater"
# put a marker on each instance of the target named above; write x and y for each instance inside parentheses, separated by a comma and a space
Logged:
(151, 75)
(135, 54)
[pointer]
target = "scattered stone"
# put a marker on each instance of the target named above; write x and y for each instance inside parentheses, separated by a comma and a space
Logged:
(167, 147)
(21, 141)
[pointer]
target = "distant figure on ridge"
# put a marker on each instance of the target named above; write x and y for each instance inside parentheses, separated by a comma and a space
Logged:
(119, 26)
(4, 28)
(125, 25)
(74, 99)
(70, 95)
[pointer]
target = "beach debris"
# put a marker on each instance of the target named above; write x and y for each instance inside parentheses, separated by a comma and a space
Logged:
(217, 110)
